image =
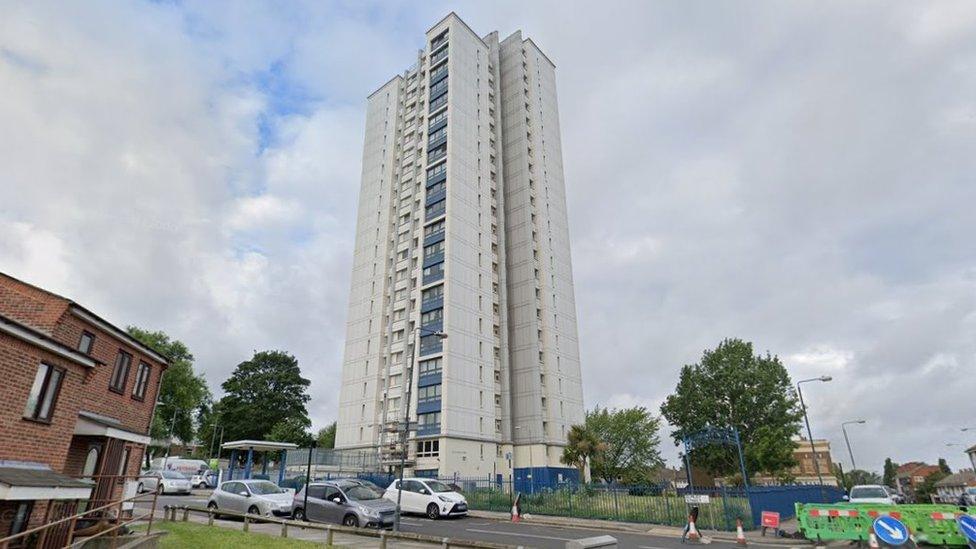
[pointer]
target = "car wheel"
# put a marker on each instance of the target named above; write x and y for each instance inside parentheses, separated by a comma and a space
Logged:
(159, 489)
(433, 512)
(253, 510)
(140, 488)
(350, 520)
(213, 508)
(298, 514)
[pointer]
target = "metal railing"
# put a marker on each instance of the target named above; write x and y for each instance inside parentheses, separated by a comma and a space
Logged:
(108, 519)
(171, 512)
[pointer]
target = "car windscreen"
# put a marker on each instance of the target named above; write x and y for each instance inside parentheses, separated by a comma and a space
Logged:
(868, 492)
(264, 488)
(361, 492)
(438, 486)
(173, 475)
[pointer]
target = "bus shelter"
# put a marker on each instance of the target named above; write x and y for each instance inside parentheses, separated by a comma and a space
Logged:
(267, 447)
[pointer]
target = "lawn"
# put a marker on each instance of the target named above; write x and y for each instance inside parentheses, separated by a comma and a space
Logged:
(188, 534)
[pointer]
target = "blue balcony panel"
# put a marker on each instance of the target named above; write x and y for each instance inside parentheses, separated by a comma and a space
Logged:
(428, 406)
(434, 238)
(431, 327)
(434, 213)
(434, 259)
(428, 430)
(437, 178)
(437, 142)
(436, 126)
(435, 197)
(431, 304)
(431, 278)
(426, 380)
(431, 349)
(434, 94)
(437, 76)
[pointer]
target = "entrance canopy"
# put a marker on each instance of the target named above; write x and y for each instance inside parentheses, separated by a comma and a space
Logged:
(25, 482)
(251, 446)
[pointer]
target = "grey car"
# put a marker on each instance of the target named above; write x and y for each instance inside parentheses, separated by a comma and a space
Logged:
(349, 502)
(255, 497)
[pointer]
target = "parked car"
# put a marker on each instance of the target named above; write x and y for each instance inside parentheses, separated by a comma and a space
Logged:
(255, 497)
(430, 497)
(164, 482)
(350, 502)
(969, 496)
(870, 493)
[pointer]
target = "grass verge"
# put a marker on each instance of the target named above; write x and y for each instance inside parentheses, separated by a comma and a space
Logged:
(187, 534)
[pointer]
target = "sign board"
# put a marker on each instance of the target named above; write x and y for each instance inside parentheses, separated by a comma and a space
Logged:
(697, 499)
(770, 519)
(890, 530)
(967, 525)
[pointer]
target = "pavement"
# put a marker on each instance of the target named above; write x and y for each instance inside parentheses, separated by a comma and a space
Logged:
(533, 531)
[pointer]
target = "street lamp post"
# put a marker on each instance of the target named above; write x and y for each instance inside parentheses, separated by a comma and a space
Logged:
(843, 427)
(806, 419)
(405, 428)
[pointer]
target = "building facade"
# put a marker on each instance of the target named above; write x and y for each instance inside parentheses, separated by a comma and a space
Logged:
(462, 305)
(805, 471)
(78, 399)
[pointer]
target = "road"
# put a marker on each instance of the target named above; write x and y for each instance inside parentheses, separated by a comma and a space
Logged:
(473, 528)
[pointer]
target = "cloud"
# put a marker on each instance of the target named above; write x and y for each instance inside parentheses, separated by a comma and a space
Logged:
(798, 175)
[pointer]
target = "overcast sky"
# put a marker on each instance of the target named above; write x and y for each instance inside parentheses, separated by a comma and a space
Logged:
(800, 175)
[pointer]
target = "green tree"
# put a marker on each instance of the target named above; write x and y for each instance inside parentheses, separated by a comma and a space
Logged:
(208, 430)
(261, 393)
(925, 491)
(581, 445)
(944, 466)
(181, 393)
(890, 472)
(291, 429)
(630, 442)
(855, 477)
(325, 438)
(732, 387)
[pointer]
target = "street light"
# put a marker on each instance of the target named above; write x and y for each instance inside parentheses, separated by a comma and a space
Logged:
(531, 467)
(816, 464)
(843, 427)
(964, 429)
(169, 439)
(408, 379)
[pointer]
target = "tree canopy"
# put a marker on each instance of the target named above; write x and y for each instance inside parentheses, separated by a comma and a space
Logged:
(265, 395)
(325, 438)
(733, 387)
(182, 391)
(628, 444)
(581, 445)
(855, 477)
(890, 472)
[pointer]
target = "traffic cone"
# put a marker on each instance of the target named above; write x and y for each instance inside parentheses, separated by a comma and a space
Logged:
(872, 539)
(692, 530)
(740, 536)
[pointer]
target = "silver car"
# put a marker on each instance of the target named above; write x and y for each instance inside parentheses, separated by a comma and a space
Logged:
(350, 502)
(164, 482)
(255, 497)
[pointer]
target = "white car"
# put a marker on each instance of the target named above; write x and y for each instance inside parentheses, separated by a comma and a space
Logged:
(255, 497)
(870, 493)
(164, 482)
(430, 497)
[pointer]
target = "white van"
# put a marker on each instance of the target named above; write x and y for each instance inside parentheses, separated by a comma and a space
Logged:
(197, 470)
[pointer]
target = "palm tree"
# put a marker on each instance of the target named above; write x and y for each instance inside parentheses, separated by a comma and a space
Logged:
(581, 446)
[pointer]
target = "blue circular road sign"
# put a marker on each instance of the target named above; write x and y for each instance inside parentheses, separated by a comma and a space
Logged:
(967, 525)
(890, 530)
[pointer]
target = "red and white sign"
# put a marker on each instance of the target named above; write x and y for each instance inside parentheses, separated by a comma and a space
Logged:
(770, 519)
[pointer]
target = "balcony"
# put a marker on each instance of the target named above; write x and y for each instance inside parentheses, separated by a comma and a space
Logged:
(435, 155)
(428, 430)
(426, 380)
(434, 259)
(435, 210)
(437, 104)
(437, 141)
(438, 75)
(434, 126)
(438, 90)
(433, 277)
(429, 406)
(438, 42)
(434, 238)
(435, 179)
(438, 57)
(432, 327)
(435, 197)
(431, 345)
(431, 304)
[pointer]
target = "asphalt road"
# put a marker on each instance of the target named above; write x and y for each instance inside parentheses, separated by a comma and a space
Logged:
(473, 528)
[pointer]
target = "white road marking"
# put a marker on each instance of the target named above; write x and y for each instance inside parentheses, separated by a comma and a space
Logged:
(520, 534)
(650, 547)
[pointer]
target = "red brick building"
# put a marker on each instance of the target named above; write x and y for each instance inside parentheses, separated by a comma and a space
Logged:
(77, 396)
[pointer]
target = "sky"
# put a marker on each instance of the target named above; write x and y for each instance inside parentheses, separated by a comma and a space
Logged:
(799, 175)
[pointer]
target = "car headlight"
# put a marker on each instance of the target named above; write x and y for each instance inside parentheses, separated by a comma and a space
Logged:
(444, 499)
(368, 512)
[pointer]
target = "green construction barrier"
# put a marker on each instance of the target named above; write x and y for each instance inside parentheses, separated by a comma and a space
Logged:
(932, 524)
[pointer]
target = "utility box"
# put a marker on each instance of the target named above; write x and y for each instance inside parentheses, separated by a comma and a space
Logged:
(586, 543)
